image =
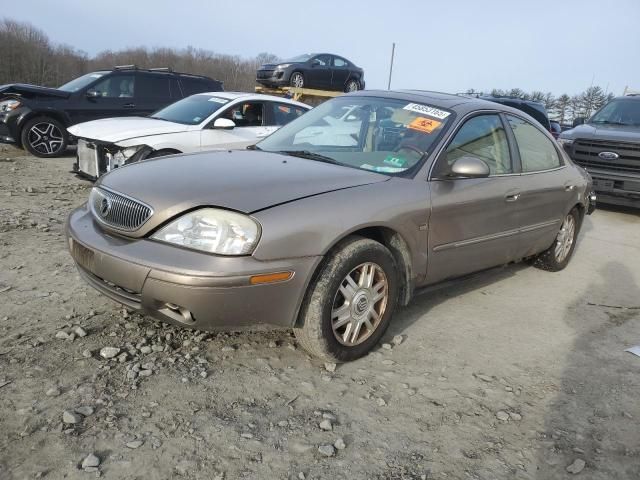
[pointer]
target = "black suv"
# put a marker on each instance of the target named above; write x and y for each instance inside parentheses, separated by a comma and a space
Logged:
(534, 109)
(36, 118)
(608, 146)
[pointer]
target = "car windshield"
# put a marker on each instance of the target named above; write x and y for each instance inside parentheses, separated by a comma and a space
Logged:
(379, 134)
(191, 110)
(299, 58)
(619, 112)
(81, 82)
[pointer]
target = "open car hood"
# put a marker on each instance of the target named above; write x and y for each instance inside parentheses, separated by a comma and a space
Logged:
(243, 180)
(31, 91)
(113, 130)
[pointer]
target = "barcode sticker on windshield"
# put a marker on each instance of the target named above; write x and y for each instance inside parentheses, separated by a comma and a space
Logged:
(431, 111)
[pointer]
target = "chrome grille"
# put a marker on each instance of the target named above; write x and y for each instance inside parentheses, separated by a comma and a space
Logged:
(585, 153)
(118, 211)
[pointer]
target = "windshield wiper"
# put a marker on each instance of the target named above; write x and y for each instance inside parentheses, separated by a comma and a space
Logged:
(310, 155)
(253, 147)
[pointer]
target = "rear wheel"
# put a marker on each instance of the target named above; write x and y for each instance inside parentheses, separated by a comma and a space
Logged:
(557, 256)
(349, 306)
(297, 80)
(44, 137)
(352, 86)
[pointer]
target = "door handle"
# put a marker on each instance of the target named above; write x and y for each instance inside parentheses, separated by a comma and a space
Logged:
(512, 197)
(129, 105)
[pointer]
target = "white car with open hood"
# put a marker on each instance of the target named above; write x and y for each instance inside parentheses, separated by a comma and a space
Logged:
(206, 121)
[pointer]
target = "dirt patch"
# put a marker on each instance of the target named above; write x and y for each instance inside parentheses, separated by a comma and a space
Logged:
(515, 373)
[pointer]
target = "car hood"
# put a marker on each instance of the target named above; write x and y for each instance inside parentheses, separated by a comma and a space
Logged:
(616, 133)
(112, 130)
(272, 66)
(31, 91)
(243, 180)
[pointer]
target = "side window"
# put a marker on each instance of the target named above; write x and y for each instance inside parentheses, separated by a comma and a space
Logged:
(116, 86)
(247, 114)
(339, 62)
(536, 150)
(154, 86)
(483, 137)
(283, 113)
(194, 85)
(324, 60)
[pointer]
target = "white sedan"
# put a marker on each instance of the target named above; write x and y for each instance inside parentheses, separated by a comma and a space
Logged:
(206, 121)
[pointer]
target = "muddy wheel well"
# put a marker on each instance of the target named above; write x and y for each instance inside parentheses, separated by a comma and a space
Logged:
(400, 251)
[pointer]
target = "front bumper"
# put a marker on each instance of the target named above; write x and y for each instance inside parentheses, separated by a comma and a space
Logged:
(185, 287)
(272, 78)
(616, 189)
(8, 127)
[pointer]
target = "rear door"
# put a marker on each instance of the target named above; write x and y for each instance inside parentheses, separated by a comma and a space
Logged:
(319, 73)
(114, 97)
(546, 185)
(341, 70)
(153, 92)
(249, 118)
(474, 221)
(279, 114)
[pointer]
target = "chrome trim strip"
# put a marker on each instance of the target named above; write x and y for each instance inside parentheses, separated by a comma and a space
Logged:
(494, 236)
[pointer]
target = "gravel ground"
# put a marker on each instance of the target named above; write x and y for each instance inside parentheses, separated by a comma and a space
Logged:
(515, 373)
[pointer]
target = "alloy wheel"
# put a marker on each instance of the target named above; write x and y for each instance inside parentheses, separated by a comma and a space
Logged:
(565, 237)
(359, 304)
(297, 80)
(45, 138)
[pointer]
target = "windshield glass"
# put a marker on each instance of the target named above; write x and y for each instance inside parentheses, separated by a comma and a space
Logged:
(378, 134)
(81, 82)
(299, 58)
(191, 110)
(619, 112)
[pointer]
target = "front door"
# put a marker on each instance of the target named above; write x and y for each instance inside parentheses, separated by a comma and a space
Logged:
(319, 74)
(113, 96)
(474, 221)
(340, 73)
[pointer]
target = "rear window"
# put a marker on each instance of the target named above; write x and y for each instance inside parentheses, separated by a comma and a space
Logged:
(191, 110)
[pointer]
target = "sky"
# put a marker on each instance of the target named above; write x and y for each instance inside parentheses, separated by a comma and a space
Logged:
(561, 46)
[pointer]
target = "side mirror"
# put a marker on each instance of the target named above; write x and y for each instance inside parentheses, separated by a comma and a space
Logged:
(578, 121)
(224, 124)
(469, 167)
(91, 93)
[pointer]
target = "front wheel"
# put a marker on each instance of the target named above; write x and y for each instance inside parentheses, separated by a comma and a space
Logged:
(349, 306)
(44, 137)
(297, 80)
(557, 256)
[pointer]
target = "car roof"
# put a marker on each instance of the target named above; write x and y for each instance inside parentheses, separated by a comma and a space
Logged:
(253, 96)
(458, 103)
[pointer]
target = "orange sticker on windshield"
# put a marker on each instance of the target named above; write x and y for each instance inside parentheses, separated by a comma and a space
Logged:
(423, 124)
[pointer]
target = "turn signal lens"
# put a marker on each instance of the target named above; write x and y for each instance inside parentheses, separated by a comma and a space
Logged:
(270, 278)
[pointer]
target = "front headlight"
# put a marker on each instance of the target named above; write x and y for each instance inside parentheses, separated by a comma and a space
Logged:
(212, 230)
(283, 65)
(565, 142)
(8, 105)
(126, 153)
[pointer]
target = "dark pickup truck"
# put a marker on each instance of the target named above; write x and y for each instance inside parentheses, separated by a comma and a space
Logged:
(607, 145)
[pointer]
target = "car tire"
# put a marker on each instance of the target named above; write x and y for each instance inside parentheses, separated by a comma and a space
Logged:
(44, 137)
(557, 256)
(358, 287)
(352, 85)
(297, 80)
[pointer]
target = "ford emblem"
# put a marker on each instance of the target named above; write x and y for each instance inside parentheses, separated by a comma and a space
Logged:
(608, 155)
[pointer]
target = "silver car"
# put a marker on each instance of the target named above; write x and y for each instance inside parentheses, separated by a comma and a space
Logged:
(330, 223)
